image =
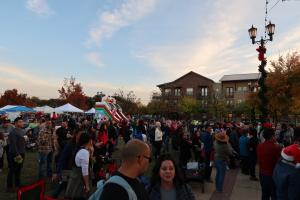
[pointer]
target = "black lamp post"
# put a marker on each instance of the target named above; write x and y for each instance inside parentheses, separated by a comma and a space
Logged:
(270, 28)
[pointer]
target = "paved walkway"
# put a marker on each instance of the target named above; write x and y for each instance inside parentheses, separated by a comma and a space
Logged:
(236, 186)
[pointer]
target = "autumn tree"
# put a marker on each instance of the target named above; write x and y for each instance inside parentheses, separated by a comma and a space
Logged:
(284, 86)
(13, 97)
(72, 93)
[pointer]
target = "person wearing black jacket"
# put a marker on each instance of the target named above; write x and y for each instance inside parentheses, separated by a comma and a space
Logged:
(65, 164)
(252, 145)
(16, 154)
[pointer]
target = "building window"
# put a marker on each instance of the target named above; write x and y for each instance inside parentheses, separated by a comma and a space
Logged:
(204, 92)
(229, 102)
(229, 91)
(239, 101)
(177, 92)
(167, 91)
(242, 89)
(189, 91)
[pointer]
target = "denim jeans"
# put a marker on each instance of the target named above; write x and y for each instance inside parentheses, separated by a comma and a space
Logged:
(220, 175)
(268, 190)
(42, 160)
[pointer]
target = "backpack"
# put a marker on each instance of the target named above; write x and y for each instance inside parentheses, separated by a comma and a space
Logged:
(117, 180)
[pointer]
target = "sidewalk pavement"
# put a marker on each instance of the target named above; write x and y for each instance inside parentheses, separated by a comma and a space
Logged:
(236, 186)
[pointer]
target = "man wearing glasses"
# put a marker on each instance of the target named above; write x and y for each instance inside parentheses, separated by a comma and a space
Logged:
(136, 156)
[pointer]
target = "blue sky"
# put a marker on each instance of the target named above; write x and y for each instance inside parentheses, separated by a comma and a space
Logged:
(109, 45)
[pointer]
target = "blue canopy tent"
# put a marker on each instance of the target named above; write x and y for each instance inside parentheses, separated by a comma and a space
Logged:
(2, 112)
(19, 109)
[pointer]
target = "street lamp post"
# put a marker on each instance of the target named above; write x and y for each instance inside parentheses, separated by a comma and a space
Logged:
(270, 28)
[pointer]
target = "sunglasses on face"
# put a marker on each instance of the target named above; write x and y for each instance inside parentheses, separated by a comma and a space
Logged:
(148, 158)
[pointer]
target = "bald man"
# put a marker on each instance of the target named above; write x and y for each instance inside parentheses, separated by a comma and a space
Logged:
(135, 161)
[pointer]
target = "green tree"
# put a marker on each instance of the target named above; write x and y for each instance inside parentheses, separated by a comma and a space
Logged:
(128, 102)
(189, 106)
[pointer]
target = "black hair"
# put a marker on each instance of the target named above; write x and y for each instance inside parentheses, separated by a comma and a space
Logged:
(297, 133)
(268, 133)
(84, 138)
(104, 124)
(17, 119)
(155, 178)
(253, 132)
(283, 126)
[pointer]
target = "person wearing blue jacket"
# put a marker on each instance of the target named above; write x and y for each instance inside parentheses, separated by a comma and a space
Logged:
(207, 139)
(244, 152)
(286, 174)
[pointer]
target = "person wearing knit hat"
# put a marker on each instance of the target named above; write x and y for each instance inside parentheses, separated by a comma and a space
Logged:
(286, 174)
(292, 154)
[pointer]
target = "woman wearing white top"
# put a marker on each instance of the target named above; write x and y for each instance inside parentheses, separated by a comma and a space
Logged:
(78, 185)
(157, 139)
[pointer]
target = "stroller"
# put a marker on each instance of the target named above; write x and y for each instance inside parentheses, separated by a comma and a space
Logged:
(194, 171)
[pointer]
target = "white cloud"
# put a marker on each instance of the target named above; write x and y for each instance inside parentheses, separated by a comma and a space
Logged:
(13, 77)
(45, 87)
(39, 7)
(95, 59)
(110, 22)
(221, 47)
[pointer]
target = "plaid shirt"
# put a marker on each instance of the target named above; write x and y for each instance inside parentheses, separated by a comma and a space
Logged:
(45, 140)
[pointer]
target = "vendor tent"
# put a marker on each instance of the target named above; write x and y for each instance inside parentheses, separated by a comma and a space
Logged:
(68, 108)
(8, 106)
(46, 109)
(91, 111)
(18, 109)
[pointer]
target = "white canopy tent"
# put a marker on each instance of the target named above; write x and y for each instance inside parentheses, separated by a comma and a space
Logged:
(91, 111)
(47, 109)
(68, 108)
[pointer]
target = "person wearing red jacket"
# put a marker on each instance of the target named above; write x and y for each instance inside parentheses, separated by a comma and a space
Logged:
(268, 153)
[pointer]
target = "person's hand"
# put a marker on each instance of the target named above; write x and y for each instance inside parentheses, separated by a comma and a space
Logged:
(54, 177)
(98, 144)
(87, 189)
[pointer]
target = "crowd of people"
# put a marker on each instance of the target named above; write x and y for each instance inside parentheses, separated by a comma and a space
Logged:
(78, 152)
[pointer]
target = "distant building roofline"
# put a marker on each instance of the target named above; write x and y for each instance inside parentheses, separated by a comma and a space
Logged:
(240, 77)
(191, 72)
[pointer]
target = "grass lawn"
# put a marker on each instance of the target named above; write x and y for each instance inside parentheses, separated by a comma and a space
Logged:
(30, 173)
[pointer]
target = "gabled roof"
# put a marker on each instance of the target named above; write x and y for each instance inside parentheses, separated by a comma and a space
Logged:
(190, 73)
(240, 77)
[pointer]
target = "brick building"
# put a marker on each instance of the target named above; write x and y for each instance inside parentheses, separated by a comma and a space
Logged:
(190, 84)
(235, 87)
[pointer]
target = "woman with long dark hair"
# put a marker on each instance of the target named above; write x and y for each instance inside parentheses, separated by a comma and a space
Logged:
(166, 182)
(78, 185)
